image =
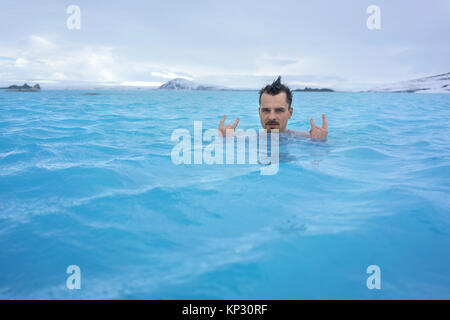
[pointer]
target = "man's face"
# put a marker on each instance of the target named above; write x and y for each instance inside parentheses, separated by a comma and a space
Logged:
(274, 112)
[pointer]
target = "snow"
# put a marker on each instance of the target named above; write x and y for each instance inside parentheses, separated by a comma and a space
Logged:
(184, 84)
(434, 84)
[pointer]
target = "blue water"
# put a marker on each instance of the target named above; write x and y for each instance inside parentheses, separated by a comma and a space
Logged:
(88, 180)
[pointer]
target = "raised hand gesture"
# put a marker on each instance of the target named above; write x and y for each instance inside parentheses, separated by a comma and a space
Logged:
(227, 129)
(318, 132)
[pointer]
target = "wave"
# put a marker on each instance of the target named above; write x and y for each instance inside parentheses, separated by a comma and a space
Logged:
(366, 153)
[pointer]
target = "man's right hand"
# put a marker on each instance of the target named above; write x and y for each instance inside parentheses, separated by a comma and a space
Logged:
(227, 129)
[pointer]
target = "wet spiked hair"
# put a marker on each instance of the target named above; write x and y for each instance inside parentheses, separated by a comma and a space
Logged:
(275, 88)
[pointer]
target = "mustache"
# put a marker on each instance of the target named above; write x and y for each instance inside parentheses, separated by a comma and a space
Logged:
(272, 122)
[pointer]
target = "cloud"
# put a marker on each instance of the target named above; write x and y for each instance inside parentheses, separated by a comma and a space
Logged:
(141, 83)
(21, 62)
(170, 75)
(52, 60)
(41, 58)
(305, 83)
(279, 62)
(60, 62)
(38, 43)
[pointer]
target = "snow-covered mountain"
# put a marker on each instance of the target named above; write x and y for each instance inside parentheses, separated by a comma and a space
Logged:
(184, 84)
(434, 84)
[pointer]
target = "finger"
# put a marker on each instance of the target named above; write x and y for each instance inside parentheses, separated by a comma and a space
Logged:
(222, 121)
(312, 123)
(324, 122)
(235, 123)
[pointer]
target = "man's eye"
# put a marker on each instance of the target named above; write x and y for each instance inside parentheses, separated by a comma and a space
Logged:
(280, 110)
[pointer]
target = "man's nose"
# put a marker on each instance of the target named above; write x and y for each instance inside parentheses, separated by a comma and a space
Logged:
(272, 115)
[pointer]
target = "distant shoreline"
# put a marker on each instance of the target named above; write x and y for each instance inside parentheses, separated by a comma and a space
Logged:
(432, 84)
(92, 91)
(24, 88)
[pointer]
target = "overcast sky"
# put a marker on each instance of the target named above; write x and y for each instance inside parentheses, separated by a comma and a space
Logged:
(230, 43)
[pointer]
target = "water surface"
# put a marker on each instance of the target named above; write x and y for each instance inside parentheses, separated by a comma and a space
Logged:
(88, 180)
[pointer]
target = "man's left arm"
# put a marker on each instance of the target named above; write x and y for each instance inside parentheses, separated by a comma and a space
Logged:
(315, 132)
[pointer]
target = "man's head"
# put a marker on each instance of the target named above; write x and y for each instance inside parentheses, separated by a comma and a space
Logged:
(275, 106)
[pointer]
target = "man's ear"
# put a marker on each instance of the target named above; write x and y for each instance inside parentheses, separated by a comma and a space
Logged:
(290, 112)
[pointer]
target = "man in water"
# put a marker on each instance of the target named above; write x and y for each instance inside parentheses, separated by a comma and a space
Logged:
(274, 112)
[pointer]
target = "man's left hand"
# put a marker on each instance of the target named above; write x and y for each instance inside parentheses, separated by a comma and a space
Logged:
(318, 132)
